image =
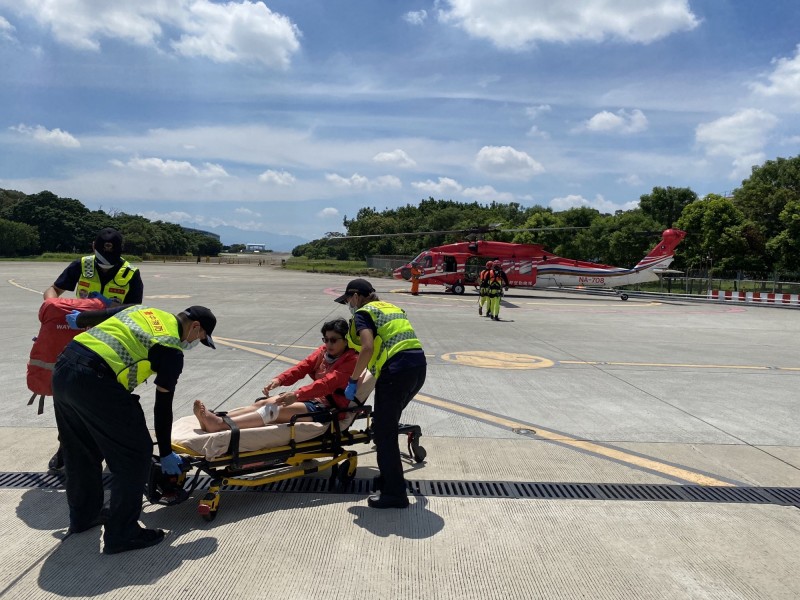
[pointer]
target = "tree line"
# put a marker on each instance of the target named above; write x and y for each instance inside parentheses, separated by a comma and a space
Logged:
(43, 222)
(755, 230)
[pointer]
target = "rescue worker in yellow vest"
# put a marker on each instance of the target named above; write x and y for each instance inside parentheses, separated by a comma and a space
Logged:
(99, 416)
(483, 289)
(498, 280)
(104, 274)
(390, 350)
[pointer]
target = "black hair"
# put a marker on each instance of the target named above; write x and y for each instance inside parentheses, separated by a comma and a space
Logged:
(340, 326)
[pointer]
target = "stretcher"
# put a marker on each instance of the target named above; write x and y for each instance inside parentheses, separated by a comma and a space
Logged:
(296, 449)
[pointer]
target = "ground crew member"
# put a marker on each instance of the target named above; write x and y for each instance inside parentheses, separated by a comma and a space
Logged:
(105, 273)
(389, 348)
(498, 280)
(99, 417)
(483, 289)
(416, 271)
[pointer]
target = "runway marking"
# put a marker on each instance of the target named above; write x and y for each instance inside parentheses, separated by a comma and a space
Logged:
(497, 360)
(601, 450)
(594, 448)
(675, 365)
(22, 287)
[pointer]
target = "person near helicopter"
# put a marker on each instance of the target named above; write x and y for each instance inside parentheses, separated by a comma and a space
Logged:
(498, 281)
(483, 288)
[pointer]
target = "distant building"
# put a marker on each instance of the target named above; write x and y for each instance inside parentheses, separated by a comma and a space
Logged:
(255, 248)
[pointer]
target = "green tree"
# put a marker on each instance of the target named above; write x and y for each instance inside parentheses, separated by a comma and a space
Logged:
(63, 224)
(764, 195)
(18, 239)
(785, 247)
(665, 205)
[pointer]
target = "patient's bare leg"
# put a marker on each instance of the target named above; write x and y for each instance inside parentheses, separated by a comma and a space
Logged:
(243, 410)
(208, 420)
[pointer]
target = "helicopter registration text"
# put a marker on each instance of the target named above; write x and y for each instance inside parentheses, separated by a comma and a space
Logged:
(592, 280)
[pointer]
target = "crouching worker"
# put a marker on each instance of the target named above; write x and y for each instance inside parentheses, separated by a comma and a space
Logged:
(329, 366)
(99, 417)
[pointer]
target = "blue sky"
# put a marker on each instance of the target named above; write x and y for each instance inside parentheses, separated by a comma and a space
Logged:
(287, 116)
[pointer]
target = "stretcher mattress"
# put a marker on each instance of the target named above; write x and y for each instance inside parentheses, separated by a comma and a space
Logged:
(186, 431)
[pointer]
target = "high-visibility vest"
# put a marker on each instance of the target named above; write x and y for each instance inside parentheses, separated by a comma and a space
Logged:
(54, 335)
(395, 334)
(89, 282)
(125, 339)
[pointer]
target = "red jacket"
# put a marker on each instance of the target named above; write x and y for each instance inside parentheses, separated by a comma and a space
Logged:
(54, 335)
(329, 379)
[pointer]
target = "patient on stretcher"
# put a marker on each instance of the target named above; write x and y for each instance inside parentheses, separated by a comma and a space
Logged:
(329, 366)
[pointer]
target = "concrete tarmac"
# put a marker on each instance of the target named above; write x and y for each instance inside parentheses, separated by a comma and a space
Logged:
(565, 390)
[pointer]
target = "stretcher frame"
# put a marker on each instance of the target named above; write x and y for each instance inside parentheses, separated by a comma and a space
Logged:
(261, 467)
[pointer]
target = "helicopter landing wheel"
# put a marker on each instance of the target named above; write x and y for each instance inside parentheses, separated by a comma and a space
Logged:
(458, 288)
(623, 297)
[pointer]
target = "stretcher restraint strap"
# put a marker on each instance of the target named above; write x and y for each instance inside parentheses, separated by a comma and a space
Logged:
(40, 410)
(233, 446)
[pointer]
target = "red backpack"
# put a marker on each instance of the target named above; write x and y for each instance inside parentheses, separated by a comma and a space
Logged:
(54, 335)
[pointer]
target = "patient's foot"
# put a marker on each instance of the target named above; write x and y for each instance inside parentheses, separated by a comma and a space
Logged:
(208, 420)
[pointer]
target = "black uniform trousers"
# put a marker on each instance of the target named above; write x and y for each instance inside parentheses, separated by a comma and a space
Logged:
(99, 419)
(393, 392)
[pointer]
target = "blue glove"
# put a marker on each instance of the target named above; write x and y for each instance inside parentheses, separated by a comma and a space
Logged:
(350, 390)
(72, 319)
(171, 464)
(107, 301)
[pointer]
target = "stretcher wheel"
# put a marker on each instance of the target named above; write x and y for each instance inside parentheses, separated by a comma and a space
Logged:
(209, 506)
(419, 453)
(344, 479)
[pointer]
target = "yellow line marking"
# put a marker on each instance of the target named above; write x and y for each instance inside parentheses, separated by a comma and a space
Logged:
(261, 343)
(22, 287)
(497, 360)
(644, 364)
(587, 446)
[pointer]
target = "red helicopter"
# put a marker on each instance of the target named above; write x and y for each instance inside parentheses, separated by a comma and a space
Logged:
(530, 266)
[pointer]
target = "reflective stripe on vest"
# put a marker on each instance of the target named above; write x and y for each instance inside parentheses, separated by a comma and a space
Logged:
(125, 339)
(89, 282)
(395, 334)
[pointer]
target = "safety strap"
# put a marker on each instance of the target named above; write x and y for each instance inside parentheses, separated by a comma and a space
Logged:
(233, 446)
(41, 403)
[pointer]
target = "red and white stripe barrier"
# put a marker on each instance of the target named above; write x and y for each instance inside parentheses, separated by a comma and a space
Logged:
(760, 297)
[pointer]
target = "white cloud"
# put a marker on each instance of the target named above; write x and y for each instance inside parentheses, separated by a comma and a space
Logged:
(508, 162)
(599, 203)
(535, 111)
(741, 137)
(327, 213)
(516, 24)
(784, 80)
(6, 30)
(359, 182)
(171, 168)
(632, 180)
(231, 32)
(397, 157)
(415, 17)
(487, 193)
(51, 137)
(445, 186)
(277, 177)
(246, 212)
(621, 122)
(535, 132)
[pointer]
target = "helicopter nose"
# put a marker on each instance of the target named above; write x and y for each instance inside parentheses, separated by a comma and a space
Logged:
(402, 273)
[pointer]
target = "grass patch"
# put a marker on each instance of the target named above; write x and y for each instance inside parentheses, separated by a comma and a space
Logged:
(340, 267)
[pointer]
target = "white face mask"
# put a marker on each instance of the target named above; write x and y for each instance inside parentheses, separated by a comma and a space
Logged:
(189, 345)
(352, 308)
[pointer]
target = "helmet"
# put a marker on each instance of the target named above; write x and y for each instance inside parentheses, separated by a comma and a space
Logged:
(489, 264)
(496, 263)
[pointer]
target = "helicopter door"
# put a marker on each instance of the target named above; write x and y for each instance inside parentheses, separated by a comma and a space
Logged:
(527, 273)
(449, 263)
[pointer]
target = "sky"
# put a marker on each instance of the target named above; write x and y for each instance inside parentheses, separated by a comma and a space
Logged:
(288, 116)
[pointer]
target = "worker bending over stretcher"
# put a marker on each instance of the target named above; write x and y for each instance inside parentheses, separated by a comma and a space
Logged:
(329, 366)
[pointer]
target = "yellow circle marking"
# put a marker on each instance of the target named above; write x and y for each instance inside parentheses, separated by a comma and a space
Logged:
(497, 360)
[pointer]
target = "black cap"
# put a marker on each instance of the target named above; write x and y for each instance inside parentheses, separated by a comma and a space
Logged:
(109, 244)
(207, 321)
(357, 286)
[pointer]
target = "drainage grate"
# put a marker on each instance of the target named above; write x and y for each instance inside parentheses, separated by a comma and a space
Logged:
(487, 489)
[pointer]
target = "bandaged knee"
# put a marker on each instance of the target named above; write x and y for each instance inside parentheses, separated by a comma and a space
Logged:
(268, 413)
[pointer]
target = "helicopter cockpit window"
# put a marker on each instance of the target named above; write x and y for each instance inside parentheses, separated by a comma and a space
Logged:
(427, 261)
